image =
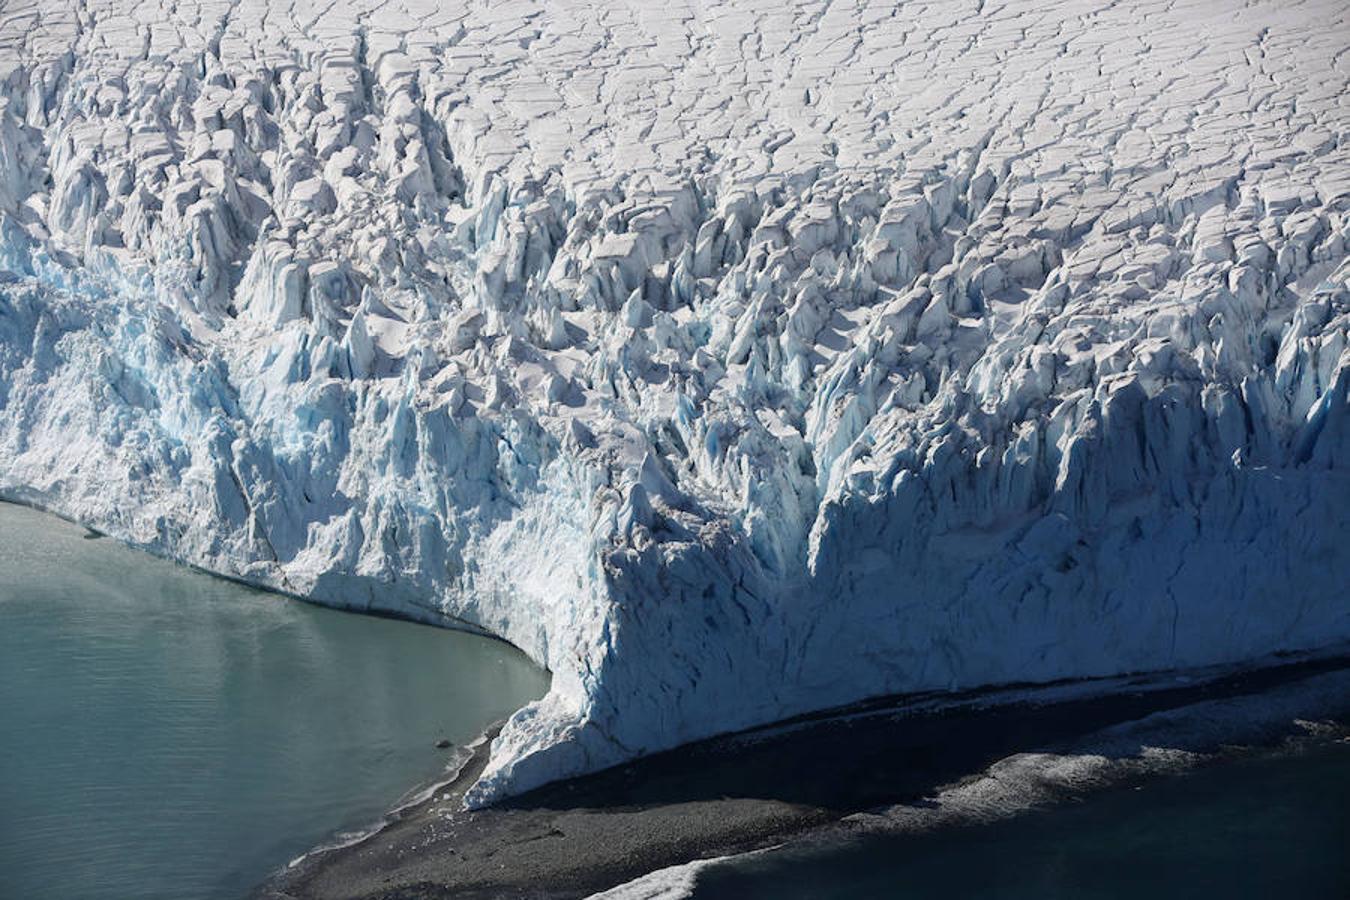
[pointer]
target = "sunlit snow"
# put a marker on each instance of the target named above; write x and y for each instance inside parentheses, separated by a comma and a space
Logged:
(733, 360)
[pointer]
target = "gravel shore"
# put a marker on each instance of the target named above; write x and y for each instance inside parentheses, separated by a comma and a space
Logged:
(762, 788)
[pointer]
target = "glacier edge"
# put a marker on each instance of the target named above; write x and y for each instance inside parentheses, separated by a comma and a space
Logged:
(718, 438)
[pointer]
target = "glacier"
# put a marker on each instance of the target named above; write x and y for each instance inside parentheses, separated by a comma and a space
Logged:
(734, 361)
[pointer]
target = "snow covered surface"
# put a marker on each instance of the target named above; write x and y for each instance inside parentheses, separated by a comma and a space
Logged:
(733, 360)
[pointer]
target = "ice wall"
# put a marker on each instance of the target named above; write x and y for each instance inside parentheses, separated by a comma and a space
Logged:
(733, 361)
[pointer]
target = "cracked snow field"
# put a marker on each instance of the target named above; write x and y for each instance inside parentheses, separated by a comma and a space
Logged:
(733, 360)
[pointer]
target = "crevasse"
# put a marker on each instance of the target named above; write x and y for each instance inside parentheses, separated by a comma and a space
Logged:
(734, 363)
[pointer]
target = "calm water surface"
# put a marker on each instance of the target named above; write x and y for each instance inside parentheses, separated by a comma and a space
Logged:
(1275, 827)
(165, 734)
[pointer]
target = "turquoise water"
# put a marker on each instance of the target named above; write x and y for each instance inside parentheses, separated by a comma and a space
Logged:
(1273, 827)
(165, 734)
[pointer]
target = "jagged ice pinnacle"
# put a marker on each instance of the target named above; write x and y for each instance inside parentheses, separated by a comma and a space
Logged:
(733, 360)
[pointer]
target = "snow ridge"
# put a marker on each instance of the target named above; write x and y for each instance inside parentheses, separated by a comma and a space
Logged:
(732, 362)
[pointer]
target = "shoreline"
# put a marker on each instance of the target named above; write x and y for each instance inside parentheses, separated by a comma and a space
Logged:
(415, 797)
(824, 847)
(674, 829)
(420, 616)
(855, 771)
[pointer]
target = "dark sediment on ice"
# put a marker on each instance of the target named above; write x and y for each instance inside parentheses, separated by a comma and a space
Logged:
(753, 790)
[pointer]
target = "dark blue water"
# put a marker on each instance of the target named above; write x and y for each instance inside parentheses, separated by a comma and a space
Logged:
(1271, 828)
(168, 734)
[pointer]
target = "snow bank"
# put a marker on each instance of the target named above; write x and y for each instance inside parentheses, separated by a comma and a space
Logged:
(732, 362)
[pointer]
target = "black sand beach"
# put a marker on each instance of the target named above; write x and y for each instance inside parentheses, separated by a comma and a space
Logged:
(812, 777)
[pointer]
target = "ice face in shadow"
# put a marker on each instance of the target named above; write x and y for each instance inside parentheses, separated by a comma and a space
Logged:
(907, 353)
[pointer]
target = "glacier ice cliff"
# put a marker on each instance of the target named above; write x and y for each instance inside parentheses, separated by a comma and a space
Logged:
(733, 360)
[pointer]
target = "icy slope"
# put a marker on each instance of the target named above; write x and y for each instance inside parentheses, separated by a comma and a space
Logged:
(733, 360)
